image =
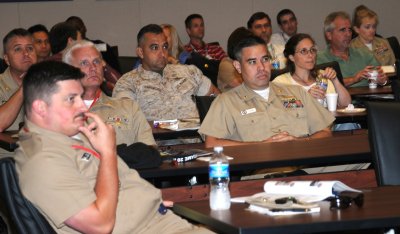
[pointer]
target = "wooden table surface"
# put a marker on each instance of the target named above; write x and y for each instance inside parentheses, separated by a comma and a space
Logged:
(380, 209)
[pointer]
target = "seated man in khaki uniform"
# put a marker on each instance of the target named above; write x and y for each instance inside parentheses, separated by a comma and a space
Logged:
(19, 54)
(258, 111)
(124, 115)
(76, 180)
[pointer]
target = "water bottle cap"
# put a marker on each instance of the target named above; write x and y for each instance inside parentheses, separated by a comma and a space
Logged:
(218, 149)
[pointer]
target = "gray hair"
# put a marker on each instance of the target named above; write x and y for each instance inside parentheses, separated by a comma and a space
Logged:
(67, 54)
(329, 25)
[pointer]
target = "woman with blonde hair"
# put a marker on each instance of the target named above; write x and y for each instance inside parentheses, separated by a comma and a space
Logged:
(365, 22)
(175, 45)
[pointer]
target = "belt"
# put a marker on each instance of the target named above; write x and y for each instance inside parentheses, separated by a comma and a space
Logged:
(162, 209)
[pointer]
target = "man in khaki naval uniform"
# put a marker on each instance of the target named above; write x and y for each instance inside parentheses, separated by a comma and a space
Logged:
(163, 91)
(76, 180)
(19, 54)
(258, 111)
(124, 114)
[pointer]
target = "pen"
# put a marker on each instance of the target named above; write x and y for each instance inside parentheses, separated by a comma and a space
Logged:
(291, 210)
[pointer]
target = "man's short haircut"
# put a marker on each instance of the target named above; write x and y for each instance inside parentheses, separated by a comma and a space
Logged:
(188, 20)
(17, 32)
(59, 35)
(67, 54)
(329, 25)
(282, 13)
(41, 80)
(150, 28)
(257, 16)
(38, 28)
(78, 23)
(244, 43)
(236, 36)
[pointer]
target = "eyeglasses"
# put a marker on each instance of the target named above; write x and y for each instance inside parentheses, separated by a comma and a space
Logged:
(86, 63)
(305, 51)
(345, 201)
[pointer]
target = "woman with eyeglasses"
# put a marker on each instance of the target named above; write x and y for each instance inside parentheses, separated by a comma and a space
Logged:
(301, 57)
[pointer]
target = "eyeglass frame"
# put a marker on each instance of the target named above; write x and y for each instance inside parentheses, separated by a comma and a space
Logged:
(305, 51)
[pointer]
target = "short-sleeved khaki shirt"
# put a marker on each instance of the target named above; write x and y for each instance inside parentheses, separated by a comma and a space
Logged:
(242, 115)
(58, 174)
(166, 96)
(128, 120)
(7, 88)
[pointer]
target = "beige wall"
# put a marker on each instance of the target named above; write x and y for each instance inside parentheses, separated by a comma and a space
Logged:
(118, 21)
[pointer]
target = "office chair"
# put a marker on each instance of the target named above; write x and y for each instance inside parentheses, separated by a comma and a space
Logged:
(394, 43)
(23, 217)
(127, 63)
(384, 134)
(203, 104)
(335, 66)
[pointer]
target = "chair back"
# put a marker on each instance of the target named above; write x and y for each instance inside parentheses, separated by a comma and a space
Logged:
(277, 72)
(127, 63)
(203, 104)
(396, 89)
(335, 66)
(23, 217)
(384, 135)
(394, 44)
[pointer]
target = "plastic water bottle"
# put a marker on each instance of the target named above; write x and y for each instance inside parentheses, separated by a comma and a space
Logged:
(220, 198)
(322, 82)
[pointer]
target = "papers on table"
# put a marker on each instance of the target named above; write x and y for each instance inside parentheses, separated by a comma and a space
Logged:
(178, 125)
(301, 196)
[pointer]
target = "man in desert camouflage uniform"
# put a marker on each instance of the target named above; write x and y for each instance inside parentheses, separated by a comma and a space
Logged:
(163, 91)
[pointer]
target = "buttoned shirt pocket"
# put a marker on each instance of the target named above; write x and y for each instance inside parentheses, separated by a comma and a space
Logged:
(298, 121)
(252, 127)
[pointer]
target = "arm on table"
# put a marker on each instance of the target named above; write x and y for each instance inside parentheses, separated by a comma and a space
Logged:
(99, 217)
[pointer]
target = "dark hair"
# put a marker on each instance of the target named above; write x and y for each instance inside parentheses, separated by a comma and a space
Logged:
(236, 36)
(257, 16)
(246, 42)
(290, 49)
(282, 13)
(17, 32)
(77, 22)
(188, 20)
(59, 35)
(150, 28)
(38, 28)
(41, 80)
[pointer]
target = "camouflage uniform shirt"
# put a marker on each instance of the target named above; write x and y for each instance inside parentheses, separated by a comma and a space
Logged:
(166, 96)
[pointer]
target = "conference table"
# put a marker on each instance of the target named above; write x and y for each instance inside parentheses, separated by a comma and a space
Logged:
(380, 210)
(354, 91)
(342, 148)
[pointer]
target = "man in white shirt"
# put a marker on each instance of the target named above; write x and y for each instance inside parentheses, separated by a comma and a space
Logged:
(260, 24)
(287, 21)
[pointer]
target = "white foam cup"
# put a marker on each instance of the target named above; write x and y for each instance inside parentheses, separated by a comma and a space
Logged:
(331, 99)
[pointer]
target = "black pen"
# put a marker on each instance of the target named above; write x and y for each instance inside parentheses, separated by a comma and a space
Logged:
(291, 210)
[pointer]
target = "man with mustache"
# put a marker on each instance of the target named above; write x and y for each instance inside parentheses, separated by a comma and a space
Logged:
(258, 111)
(19, 54)
(163, 91)
(355, 64)
(71, 171)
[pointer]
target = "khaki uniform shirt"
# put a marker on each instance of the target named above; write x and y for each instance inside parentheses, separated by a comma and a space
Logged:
(242, 115)
(7, 88)
(127, 119)
(58, 174)
(381, 50)
(227, 74)
(166, 96)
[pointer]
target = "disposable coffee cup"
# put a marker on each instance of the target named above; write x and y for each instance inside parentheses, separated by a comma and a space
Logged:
(372, 79)
(331, 99)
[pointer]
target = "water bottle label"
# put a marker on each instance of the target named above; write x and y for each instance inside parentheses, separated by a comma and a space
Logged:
(219, 170)
(275, 64)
